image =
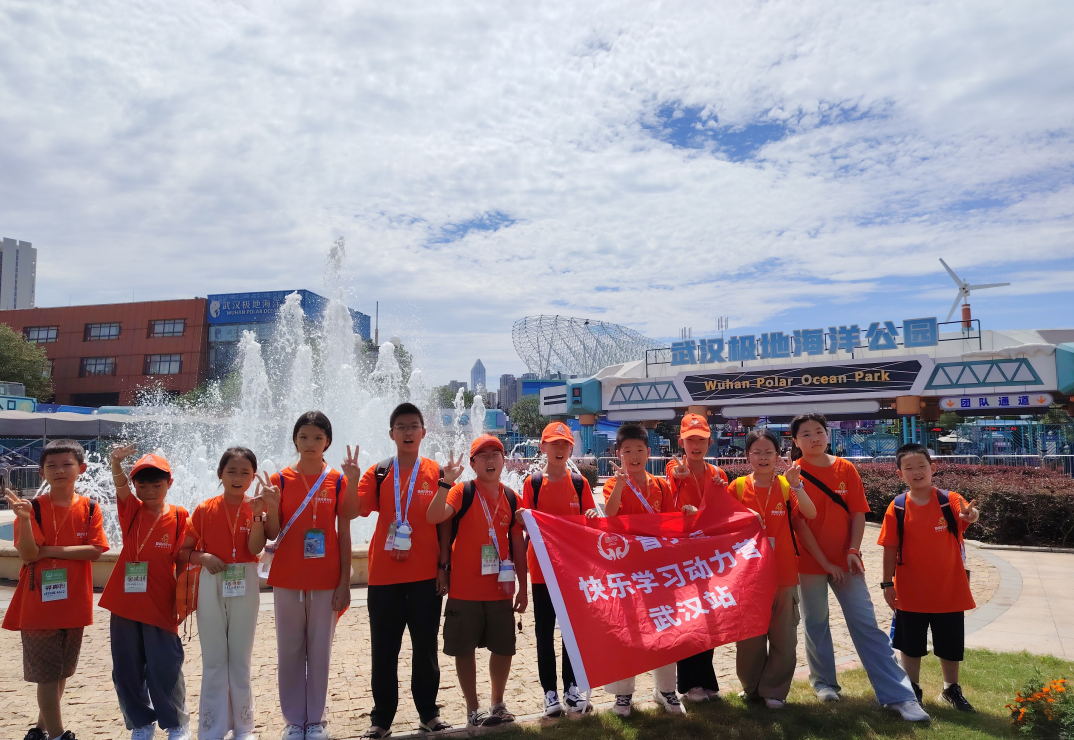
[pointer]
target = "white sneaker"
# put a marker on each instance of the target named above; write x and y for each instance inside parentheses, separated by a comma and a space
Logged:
(622, 704)
(827, 693)
(712, 694)
(669, 700)
(911, 711)
(316, 732)
(552, 707)
(576, 702)
(145, 732)
(774, 703)
(179, 733)
(293, 732)
(697, 694)
(246, 736)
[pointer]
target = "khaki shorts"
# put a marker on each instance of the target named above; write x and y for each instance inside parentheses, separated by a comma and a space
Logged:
(49, 656)
(469, 625)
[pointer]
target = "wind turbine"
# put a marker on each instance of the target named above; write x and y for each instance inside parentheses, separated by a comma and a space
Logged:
(964, 289)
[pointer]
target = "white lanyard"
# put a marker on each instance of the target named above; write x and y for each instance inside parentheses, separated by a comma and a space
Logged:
(413, 479)
(644, 501)
(488, 518)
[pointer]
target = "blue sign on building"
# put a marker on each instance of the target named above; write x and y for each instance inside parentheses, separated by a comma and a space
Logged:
(261, 308)
(776, 345)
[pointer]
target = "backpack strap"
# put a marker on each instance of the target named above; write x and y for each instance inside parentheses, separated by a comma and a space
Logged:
(381, 472)
(468, 490)
(944, 497)
(36, 505)
(579, 486)
(536, 480)
(785, 487)
(899, 505)
(512, 501)
(825, 490)
(738, 487)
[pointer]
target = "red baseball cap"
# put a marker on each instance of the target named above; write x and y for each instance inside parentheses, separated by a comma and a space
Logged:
(694, 425)
(485, 440)
(555, 431)
(152, 461)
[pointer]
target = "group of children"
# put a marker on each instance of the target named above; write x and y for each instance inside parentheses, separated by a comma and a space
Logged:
(437, 536)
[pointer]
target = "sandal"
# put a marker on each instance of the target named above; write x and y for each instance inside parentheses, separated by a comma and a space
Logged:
(375, 733)
(500, 710)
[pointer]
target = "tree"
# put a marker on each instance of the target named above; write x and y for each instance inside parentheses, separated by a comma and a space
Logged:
(445, 397)
(949, 420)
(25, 362)
(526, 413)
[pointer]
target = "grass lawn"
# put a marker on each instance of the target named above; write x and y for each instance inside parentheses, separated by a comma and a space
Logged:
(989, 680)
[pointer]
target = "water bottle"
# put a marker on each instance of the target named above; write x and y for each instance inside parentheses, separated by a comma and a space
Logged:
(401, 548)
(506, 578)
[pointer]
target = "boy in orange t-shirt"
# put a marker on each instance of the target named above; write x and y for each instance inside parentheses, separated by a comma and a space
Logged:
(925, 579)
(147, 654)
(57, 536)
(487, 552)
(558, 491)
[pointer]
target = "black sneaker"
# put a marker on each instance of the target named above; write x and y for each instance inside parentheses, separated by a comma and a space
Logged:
(953, 696)
(917, 691)
(67, 735)
(35, 733)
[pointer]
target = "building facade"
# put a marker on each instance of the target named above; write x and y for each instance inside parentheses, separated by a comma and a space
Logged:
(477, 377)
(107, 355)
(18, 274)
(509, 392)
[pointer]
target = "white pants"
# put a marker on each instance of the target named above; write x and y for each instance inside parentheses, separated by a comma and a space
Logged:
(226, 629)
(663, 679)
(305, 626)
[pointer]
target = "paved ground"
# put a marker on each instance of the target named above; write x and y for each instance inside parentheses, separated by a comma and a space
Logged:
(93, 713)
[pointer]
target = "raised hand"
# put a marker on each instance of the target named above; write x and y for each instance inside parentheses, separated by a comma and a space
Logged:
(793, 474)
(681, 469)
(970, 513)
(454, 469)
(23, 509)
(350, 465)
(266, 497)
(619, 473)
(122, 452)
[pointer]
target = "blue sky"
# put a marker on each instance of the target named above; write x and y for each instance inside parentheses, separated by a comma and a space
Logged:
(787, 164)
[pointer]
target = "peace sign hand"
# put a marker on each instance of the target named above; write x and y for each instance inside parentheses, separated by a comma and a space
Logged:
(122, 452)
(682, 468)
(23, 509)
(454, 469)
(267, 497)
(619, 473)
(970, 513)
(793, 474)
(350, 465)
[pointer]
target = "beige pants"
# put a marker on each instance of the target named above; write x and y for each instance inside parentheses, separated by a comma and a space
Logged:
(765, 664)
(305, 626)
(663, 679)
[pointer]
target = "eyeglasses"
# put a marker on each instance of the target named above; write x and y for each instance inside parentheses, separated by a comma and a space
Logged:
(765, 453)
(404, 428)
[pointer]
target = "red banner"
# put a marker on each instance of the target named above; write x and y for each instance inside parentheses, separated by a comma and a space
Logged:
(634, 593)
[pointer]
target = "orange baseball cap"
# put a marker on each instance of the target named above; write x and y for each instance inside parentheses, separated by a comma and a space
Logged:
(485, 440)
(152, 461)
(555, 431)
(694, 425)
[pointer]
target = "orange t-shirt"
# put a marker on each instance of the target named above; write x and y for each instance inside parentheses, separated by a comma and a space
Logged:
(777, 524)
(932, 577)
(61, 526)
(290, 568)
(690, 491)
(212, 524)
(558, 498)
(657, 492)
(162, 541)
(421, 564)
(831, 527)
(467, 583)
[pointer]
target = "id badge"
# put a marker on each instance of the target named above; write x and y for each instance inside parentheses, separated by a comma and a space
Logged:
(772, 542)
(389, 541)
(135, 577)
(490, 561)
(54, 584)
(235, 580)
(314, 545)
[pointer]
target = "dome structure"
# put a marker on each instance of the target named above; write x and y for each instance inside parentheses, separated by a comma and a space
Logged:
(576, 346)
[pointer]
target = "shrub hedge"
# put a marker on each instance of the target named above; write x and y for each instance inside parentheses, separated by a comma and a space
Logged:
(1019, 506)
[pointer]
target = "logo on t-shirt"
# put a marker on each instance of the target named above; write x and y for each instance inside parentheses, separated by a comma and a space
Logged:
(941, 526)
(425, 490)
(842, 489)
(612, 546)
(778, 511)
(165, 541)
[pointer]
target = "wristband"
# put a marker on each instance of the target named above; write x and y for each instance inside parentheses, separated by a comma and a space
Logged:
(854, 551)
(446, 567)
(799, 487)
(444, 484)
(887, 584)
(260, 518)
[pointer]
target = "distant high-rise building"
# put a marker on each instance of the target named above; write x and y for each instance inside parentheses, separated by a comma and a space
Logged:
(18, 274)
(477, 377)
(491, 398)
(454, 385)
(509, 392)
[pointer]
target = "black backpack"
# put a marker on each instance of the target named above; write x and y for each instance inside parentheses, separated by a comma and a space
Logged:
(945, 508)
(537, 479)
(382, 468)
(37, 518)
(469, 490)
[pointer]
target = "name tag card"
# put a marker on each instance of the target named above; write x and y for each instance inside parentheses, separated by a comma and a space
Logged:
(490, 561)
(314, 544)
(235, 580)
(136, 577)
(54, 584)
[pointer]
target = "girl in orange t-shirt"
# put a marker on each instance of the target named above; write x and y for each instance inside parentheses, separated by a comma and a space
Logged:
(310, 572)
(228, 531)
(765, 663)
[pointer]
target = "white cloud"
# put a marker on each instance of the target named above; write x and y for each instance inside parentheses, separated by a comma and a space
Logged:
(229, 144)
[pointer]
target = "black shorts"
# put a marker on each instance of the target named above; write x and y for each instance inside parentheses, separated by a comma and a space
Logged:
(948, 634)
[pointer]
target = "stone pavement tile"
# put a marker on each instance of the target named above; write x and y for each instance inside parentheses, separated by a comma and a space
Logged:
(93, 712)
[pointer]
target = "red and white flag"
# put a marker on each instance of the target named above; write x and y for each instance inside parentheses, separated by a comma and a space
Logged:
(634, 593)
